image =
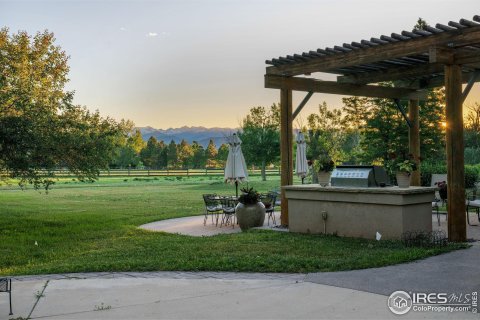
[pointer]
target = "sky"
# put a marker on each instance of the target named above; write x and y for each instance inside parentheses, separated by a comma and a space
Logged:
(180, 63)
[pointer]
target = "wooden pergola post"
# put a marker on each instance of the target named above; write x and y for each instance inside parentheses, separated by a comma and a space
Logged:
(414, 139)
(286, 148)
(457, 229)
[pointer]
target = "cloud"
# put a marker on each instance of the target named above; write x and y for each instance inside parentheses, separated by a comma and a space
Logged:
(123, 29)
(152, 34)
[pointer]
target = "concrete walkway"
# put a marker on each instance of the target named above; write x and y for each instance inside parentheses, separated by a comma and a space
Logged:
(359, 294)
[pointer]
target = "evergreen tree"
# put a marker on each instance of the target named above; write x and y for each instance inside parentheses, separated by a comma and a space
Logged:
(199, 159)
(172, 157)
(151, 153)
(211, 154)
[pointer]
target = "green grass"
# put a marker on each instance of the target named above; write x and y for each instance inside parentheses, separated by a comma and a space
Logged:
(93, 227)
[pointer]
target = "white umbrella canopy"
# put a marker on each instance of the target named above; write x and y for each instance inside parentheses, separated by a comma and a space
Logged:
(301, 164)
(235, 168)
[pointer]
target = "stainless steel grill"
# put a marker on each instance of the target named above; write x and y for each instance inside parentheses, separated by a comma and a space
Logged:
(359, 176)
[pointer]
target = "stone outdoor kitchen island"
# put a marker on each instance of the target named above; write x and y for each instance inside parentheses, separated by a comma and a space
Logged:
(359, 212)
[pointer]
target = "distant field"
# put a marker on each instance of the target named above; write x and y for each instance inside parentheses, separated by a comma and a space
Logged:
(80, 227)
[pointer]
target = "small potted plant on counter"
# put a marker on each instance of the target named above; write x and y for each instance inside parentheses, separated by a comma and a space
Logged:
(250, 210)
(404, 172)
(324, 167)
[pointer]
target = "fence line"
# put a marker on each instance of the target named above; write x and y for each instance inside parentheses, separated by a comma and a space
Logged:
(164, 173)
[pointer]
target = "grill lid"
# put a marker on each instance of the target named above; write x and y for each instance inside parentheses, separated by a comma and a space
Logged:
(359, 176)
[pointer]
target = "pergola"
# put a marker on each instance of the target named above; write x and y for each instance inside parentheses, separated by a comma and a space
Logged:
(444, 55)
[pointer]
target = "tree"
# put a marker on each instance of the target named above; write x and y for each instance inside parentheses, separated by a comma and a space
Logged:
(472, 127)
(199, 159)
(222, 155)
(420, 25)
(472, 135)
(40, 128)
(432, 129)
(150, 155)
(184, 154)
(136, 141)
(354, 115)
(261, 137)
(172, 158)
(326, 134)
(211, 154)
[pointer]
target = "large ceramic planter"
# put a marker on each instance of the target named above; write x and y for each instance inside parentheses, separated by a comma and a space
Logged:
(403, 180)
(324, 178)
(250, 215)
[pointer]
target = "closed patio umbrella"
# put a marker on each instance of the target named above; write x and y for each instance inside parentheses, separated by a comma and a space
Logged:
(301, 164)
(235, 168)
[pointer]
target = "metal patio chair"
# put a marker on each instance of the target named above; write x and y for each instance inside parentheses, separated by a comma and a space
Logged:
(228, 207)
(6, 286)
(269, 200)
(473, 202)
(213, 207)
(436, 178)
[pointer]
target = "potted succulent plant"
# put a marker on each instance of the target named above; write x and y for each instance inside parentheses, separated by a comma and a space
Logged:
(324, 167)
(250, 210)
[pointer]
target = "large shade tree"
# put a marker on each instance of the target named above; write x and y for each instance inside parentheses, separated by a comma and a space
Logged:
(40, 127)
(261, 137)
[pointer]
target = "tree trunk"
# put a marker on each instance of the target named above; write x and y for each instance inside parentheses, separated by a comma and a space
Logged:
(264, 175)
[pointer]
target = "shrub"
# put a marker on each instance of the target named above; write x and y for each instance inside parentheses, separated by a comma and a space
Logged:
(429, 168)
(471, 176)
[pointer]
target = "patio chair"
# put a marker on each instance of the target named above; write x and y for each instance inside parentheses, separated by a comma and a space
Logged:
(6, 286)
(473, 202)
(228, 207)
(269, 200)
(212, 206)
(436, 178)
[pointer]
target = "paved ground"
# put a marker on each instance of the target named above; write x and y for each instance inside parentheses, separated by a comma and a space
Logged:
(193, 226)
(360, 294)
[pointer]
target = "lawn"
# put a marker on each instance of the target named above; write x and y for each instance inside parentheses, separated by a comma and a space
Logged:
(79, 227)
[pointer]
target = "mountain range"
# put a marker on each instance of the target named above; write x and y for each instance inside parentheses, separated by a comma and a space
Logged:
(200, 134)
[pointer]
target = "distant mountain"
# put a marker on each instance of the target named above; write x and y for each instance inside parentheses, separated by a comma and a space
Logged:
(200, 134)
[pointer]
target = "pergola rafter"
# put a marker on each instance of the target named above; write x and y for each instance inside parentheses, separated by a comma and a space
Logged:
(444, 55)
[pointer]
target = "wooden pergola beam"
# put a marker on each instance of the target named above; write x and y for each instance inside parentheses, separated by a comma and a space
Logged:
(460, 58)
(452, 39)
(332, 87)
(392, 74)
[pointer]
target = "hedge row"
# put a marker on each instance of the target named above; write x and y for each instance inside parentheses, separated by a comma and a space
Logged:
(472, 173)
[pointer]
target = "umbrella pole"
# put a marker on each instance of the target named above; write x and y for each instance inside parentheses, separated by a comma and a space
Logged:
(236, 188)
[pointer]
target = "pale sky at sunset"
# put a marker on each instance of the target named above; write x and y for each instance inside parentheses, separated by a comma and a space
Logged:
(201, 63)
